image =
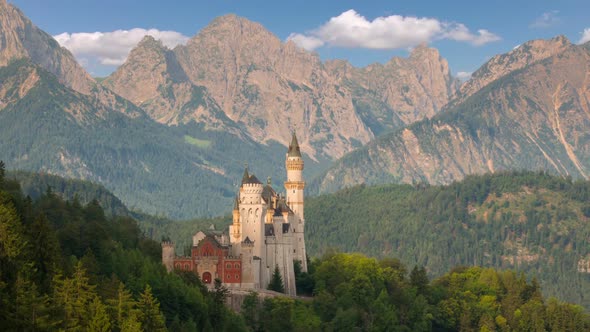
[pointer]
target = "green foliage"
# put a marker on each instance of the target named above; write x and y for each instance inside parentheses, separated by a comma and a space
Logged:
(357, 293)
(532, 222)
(197, 142)
(65, 266)
(150, 317)
(276, 281)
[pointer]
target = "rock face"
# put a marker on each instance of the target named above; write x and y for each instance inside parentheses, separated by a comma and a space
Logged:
(22, 39)
(152, 79)
(267, 88)
(400, 92)
(503, 64)
(537, 117)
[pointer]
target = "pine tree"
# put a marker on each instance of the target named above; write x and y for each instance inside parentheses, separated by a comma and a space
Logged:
(45, 251)
(31, 308)
(150, 317)
(276, 281)
(123, 306)
(74, 296)
(99, 319)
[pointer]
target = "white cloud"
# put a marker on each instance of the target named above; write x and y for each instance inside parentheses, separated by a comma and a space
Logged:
(459, 32)
(463, 75)
(112, 48)
(585, 36)
(546, 20)
(307, 42)
(350, 29)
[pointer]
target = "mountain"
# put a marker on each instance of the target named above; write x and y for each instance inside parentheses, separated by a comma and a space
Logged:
(22, 39)
(503, 64)
(152, 79)
(399, 92)
(236, 74)
(179, 171)
(535, 117)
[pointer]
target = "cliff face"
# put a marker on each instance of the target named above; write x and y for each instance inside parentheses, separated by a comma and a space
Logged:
(503, 64)
(153, 79)
(537, 117)
(267, 88)
(22, 39)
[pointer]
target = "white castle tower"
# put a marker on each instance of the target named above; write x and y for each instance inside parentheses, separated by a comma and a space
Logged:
(294, 187)
(266, 234)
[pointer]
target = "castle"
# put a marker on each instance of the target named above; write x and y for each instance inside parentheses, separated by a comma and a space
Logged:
(267, 232)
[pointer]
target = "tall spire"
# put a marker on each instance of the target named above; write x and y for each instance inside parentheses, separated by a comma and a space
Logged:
(236, 204)
(246, 176)
(294, 150)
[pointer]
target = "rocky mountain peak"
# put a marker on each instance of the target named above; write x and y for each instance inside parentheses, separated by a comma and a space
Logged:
(20, 38)
(150, 42)
(503, 64)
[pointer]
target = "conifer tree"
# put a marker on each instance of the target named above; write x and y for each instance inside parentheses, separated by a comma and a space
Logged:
(150, 317)
(276, 281)
(99, 319)
(122, 307)
(74, 296)
(45, 251)
(31, 308)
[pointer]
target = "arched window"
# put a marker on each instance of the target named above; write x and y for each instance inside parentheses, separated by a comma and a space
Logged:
(237, 277)
(237, 266)
(177, 265)
(187, 267)
(228, 266)
(207, 277)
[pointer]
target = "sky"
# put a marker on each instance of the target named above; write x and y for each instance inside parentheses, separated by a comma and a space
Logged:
(467, 33)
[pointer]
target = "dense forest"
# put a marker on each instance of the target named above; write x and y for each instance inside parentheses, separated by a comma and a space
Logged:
(528, 221)
(532, 222)
(355, 293)
(67, 266)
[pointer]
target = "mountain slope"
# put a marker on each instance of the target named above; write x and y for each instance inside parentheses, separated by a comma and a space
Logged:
(269, 88)
(537, 117)
(22, 39)
(179, 172)
(532, 222)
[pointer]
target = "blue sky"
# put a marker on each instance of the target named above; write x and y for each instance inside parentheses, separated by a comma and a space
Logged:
(329, 27)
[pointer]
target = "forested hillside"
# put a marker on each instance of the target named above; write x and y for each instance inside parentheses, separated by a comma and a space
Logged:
(532, 222)
(64, 266)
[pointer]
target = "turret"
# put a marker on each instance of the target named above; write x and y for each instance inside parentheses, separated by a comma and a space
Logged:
(252, 211)
(235, 228)
(168, 255)
(294, 187)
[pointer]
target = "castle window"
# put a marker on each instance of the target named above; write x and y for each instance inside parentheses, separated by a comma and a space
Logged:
(237, 266)
(237, 276)
(228, 266)
(186, 267)
(228, 276)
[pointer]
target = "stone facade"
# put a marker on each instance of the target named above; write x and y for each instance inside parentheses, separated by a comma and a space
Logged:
(267, 231)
